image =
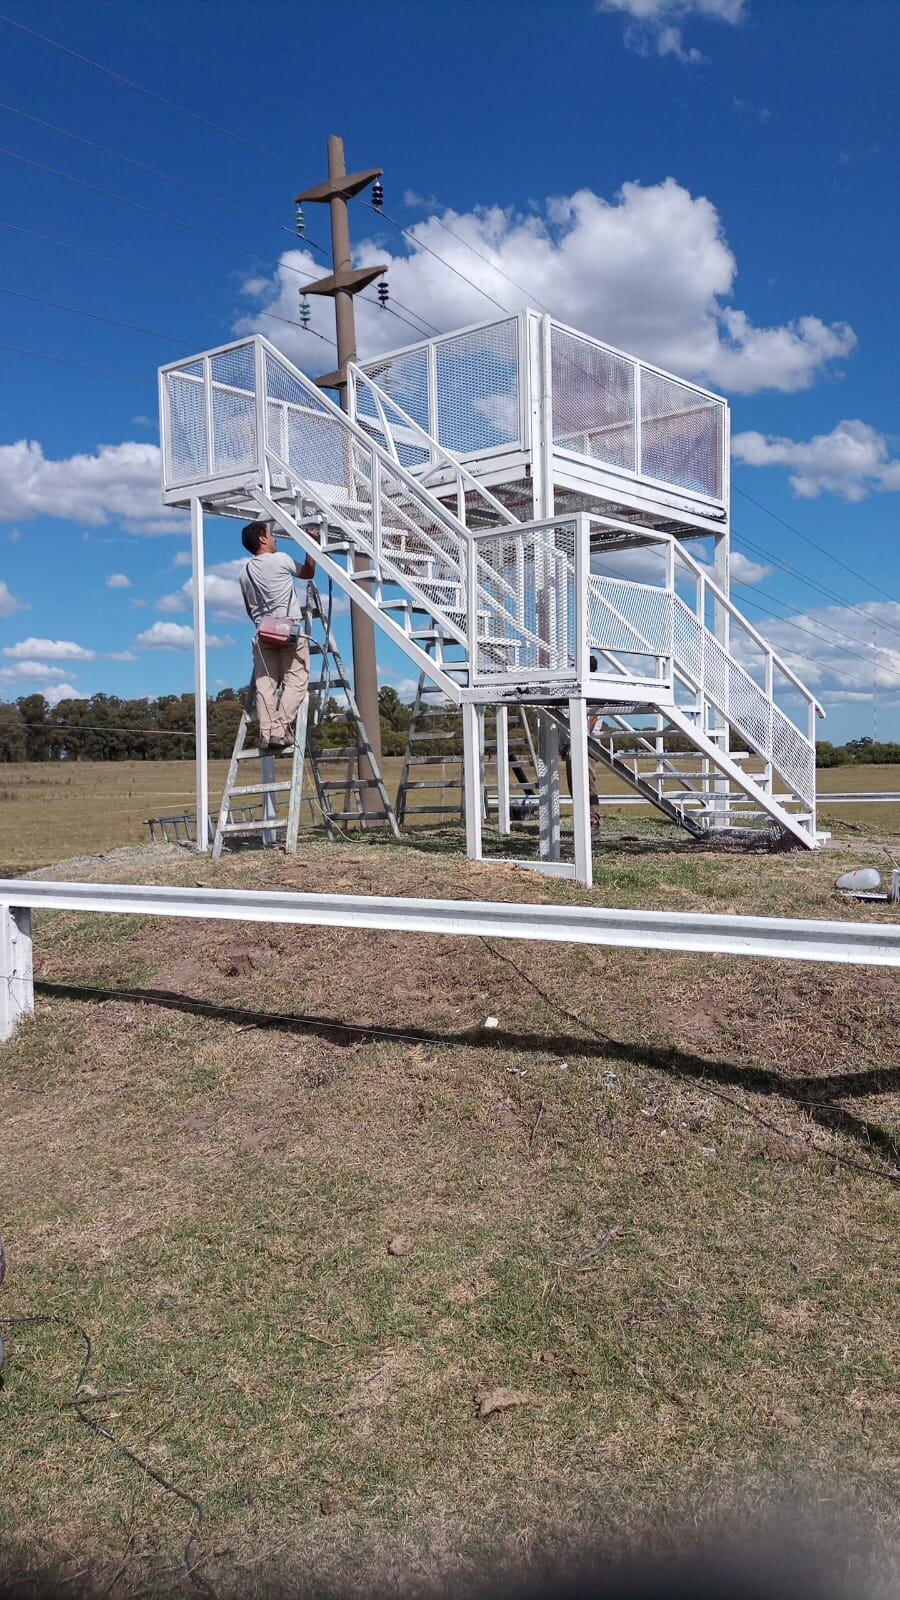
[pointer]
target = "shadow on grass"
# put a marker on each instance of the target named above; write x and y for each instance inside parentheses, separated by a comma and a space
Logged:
(817, 1095)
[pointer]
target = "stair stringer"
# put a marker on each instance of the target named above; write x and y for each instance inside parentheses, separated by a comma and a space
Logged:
(726, 767)
(355, 591)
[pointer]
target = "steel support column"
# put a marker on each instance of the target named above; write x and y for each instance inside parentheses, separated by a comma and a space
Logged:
(581, 802)
(502, 745)
(548, 787)
(201, 767)
(473, 777)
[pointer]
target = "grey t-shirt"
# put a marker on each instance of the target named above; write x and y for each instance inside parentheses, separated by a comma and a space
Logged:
(267, 584)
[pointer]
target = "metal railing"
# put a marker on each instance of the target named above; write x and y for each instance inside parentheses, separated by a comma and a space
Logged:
(245, 411)
(476, 391)
(844, 943)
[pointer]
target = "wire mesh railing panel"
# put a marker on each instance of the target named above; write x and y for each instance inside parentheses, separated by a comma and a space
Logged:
(382, 420)
(405, 379)
(233, 429)
(793, 756)
(687, 641)
(184, 424)
(525, 602)
(641, 610)
(681, 434)
(478, 389)
(714, 673)
(236, 368)
(593, 400)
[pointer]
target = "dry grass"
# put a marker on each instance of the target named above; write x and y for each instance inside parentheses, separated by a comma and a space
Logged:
(50, 810)
(654, 1203)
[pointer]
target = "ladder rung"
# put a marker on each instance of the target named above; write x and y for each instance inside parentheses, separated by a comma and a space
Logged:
(349, 783)
(260, 788)
(255, 827)
(277, 755)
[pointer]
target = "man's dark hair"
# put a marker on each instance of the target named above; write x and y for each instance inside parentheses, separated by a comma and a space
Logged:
(251, 536)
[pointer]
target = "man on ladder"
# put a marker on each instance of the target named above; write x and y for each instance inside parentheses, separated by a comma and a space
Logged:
(280, 649)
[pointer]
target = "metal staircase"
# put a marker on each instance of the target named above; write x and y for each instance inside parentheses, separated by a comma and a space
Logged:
(490, 609)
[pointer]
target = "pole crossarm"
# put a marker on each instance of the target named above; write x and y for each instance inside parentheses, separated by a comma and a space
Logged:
(353, 281)
(343, 187)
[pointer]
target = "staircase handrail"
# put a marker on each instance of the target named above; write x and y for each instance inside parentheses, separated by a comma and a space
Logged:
(731, 608)
(427, 441)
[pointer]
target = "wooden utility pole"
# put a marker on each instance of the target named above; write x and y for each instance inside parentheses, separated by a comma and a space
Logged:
(341, 285)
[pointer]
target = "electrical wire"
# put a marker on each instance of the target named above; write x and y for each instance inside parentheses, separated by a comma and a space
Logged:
(95, 316)
(204, 233)
(168, 177)
(131, 266)
(529, 293)
(789, 622)
(78, 1402)
(812, 583)
(819, 547)
(420, 245)
(850, 638)
(152, 94)
(67, 361)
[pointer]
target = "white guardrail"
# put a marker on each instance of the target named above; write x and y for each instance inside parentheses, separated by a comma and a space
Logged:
(782, 938)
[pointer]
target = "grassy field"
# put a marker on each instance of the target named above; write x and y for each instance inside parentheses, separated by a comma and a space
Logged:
(51, 810)
(394, 1297)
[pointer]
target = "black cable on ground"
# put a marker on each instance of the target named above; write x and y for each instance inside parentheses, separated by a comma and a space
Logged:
(719, 1094)
(77, 1402)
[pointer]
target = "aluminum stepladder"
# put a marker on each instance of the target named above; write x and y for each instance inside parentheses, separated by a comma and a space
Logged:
(436, 722)
(278, 796)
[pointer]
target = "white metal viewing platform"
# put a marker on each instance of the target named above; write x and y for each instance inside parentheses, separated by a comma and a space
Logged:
(521, 496)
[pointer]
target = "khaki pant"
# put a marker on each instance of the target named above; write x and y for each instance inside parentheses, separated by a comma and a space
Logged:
(284, 666)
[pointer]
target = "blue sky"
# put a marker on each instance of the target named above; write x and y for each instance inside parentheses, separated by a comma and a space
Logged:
(710, 183)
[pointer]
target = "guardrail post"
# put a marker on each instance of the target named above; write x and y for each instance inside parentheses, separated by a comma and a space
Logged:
(16, 969)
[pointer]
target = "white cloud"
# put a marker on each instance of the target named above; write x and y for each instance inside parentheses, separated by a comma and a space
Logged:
(118, 580)
(655, 25)
(119, 481)
(809, 644)
(743, 570)
(176, 636)
(9, 605)
(222, 589)
(650, 271)
(851, 461)
(120, 655)
(49, 650)
(30, 671)
(61, 691)
(182, 558)
(14, 535)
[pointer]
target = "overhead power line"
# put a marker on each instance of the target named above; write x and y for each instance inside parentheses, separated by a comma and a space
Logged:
(147, 272)
(819, 547)
(192, 227)
(152, 94)
(95, 316)
(794, 612)
(156, 172)
(812, 583)
(68, 361)
(420, 245)
(798, 654)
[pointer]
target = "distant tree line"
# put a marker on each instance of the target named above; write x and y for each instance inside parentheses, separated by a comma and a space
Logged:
(105, 727)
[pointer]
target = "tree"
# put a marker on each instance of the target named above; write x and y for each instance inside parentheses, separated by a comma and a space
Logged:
(13, 734)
